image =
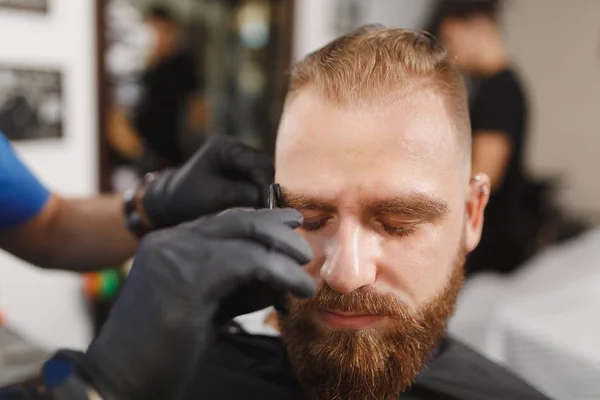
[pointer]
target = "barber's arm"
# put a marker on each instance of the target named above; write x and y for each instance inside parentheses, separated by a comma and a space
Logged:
(197, 106)
(185, 284)
(73, 234)
(197, 119)
(88, 234)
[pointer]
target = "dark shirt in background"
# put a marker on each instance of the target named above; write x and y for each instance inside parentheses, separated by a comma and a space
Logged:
(498, 104)
(161, 113)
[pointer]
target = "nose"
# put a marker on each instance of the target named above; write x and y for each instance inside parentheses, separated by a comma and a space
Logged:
(350, 259)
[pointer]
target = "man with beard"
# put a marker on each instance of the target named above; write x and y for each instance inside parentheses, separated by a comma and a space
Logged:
(374, 149)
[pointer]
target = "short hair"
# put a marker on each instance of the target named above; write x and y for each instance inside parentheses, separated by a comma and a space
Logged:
(161, 13)
(373, 63)
(462, 9)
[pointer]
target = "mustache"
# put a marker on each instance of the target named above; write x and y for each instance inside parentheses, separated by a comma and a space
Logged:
(365, 300)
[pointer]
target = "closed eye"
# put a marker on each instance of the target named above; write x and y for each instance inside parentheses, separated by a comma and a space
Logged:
(401, 230)
(404, 231)
(318, 223)
(315, 224)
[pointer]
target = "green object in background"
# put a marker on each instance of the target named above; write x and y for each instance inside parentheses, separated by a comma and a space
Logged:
(110, 283)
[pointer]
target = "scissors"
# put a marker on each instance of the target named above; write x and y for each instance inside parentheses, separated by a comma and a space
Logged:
(274, 196)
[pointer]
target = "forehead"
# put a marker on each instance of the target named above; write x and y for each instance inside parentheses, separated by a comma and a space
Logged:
(407, 145)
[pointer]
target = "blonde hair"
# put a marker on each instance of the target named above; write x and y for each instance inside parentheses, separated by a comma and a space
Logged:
(373, 63)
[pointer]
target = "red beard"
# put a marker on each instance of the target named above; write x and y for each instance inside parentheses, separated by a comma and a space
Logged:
(377, 364)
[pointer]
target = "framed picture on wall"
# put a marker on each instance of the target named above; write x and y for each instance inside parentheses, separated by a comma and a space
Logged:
(40, 6)
(31, 103)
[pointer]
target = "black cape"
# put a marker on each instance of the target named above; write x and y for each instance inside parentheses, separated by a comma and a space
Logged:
(241, 366)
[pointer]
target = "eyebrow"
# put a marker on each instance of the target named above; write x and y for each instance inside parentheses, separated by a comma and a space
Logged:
(302, 202)
(415, 205)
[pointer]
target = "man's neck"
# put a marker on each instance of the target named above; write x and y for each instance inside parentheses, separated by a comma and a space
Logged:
(491, 63)
(162, 56)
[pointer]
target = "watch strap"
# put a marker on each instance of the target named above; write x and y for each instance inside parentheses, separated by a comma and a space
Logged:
(136, 219)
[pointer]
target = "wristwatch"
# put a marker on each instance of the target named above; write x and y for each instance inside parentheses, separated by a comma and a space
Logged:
(136, 219)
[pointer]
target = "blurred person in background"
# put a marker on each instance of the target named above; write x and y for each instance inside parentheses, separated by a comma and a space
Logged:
(171, 103)
(499, 117)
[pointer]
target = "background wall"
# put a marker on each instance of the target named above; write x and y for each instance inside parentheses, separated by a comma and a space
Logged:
(556, 45)
(409, 14)
(315, 19)
(47, 306)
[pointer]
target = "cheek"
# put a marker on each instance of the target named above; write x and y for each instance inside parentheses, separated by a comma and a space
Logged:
(319, 245)
(419, 264)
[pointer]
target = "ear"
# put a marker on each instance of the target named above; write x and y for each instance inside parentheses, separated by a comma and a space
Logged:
(478, 194)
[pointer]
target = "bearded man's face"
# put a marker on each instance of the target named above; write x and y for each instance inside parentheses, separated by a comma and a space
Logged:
(390, 214)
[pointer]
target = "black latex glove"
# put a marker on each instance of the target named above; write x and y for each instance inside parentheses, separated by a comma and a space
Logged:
(184, 284)
(224, 173)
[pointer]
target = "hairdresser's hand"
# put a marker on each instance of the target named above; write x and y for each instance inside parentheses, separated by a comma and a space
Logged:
(185, 283)
(223, 174)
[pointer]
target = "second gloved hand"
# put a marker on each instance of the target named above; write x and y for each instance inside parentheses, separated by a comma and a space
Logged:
(223, 174)
(185, 283)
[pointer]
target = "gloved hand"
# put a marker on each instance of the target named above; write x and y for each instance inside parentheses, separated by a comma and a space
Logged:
(184, 284)
(223, 174)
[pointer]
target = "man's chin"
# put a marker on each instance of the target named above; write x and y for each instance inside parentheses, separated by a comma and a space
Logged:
(333, 362)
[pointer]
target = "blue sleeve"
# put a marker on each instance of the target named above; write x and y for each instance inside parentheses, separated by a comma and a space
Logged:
(22, 196)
